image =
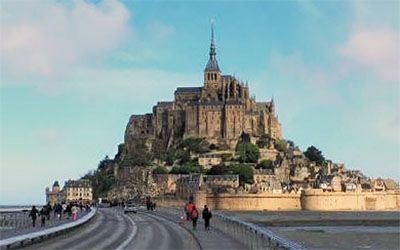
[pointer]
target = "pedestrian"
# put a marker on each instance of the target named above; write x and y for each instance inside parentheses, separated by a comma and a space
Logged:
(189, 209)
(68, 210)
(74, 211)
(206, 217)
(58, 211)
(64, 208)
(194, 215)
(33, 214)
(43, 214)
(48, 209)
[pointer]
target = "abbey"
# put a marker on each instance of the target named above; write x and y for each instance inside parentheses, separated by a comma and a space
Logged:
(219, 112)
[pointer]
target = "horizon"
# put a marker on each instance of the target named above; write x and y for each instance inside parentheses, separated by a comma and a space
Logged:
(73, 73)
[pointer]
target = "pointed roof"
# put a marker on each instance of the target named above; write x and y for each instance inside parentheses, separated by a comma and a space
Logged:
(212, 64)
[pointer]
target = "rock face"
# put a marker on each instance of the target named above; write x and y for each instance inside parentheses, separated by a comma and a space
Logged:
(219, 112)
(133, 181)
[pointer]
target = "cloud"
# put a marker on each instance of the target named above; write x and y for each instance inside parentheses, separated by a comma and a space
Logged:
(373, 49)
(46, 39)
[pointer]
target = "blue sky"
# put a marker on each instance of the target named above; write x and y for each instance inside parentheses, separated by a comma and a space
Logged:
(73, 72)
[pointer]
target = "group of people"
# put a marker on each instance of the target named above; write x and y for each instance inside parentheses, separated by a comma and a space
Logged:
(193, 214)
(70, 209)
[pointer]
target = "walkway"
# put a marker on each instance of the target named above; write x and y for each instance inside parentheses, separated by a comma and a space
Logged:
(212, 239)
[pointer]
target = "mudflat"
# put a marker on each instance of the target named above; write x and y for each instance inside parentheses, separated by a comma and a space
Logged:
(331, 230)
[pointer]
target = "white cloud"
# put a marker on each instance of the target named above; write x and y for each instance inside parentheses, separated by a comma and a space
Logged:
(46, 39)
(373, 49)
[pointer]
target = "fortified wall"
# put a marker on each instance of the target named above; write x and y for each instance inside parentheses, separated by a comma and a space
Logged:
(355, 201)
(313, 200)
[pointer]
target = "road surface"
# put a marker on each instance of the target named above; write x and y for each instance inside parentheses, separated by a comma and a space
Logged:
(111, 229)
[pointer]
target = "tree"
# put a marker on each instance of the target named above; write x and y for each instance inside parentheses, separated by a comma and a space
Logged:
(105, 163)
(280, 145)
(101, 182)
(218, 170)
(314, 154)
(158, 150)
(247, 152)
(182, 155)
(160, 170)
(263, 141)
(266, 164)
(195, 145)
(189, 168)
(245, 173)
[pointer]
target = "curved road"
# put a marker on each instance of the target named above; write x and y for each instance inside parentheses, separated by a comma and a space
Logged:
(111, 229)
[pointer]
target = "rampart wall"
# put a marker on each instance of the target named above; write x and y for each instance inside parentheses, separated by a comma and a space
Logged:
(353, 201)
(314, 200)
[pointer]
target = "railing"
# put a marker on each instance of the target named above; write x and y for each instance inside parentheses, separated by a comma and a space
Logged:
(21, 220)
(253, 236)
(21, 239)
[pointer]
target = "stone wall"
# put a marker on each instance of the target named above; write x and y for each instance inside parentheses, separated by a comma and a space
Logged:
(313, 200)
(355, 201)
(254, 202)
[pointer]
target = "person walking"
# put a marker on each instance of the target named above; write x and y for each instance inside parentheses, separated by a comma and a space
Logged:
(74, 211)
(58, 211)
(189, 209)
(206, 217)
(48, 210)
(33, 214)
(43, 214)
(194, 216)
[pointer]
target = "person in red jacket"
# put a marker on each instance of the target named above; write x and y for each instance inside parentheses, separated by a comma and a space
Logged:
(195, 216)
(189, 209)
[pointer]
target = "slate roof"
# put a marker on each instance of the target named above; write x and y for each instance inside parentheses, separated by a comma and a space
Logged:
(188, 90)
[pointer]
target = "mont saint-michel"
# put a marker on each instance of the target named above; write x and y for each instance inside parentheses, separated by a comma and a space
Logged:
(217, 144)
(135, 124)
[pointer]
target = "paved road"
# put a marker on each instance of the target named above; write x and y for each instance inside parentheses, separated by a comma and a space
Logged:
(111, 229)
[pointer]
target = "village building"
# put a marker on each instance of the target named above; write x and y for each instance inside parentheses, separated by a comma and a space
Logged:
(209, 160)
(79, 191)
(54, 195)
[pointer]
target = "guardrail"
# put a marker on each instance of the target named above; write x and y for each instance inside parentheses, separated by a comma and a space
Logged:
(21, 239)
(253, 236)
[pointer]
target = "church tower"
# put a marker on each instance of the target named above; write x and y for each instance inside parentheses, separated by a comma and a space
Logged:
(212, 74)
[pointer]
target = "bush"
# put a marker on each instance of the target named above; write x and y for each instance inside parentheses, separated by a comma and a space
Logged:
(266, 164)
(263, 141)
(160, 170)
(218, 170)
(189, 168)
(245, 173)
(247, 152)
(314, 154)
(195, 145)
(280, 145)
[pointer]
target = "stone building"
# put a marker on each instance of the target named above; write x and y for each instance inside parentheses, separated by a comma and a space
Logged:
(209, 160)
(78, 191)
(54, 195)
(219, 111)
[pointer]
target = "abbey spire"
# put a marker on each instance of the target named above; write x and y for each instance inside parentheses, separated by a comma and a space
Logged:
(212, 73)
(212, 64)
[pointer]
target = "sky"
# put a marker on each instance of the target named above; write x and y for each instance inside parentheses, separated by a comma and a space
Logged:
(72, 72)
